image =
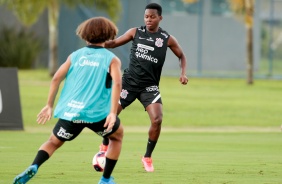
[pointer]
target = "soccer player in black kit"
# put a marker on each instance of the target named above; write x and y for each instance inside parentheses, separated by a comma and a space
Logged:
(141, 79)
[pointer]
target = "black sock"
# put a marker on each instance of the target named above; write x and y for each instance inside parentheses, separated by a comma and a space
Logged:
(40, 158)
(150, 148)
(106, 141)
(109, 167)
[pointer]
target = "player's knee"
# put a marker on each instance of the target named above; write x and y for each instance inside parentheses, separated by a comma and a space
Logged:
(157, 120)
(55, 142)
(118, 135)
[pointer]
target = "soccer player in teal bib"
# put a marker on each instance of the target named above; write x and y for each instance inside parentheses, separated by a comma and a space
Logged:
(89, 98)
(141, 78)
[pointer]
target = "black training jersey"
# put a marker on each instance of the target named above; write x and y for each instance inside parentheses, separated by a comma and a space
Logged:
(147, 58)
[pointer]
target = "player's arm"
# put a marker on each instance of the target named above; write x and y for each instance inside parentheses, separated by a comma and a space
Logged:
(121, 40)
(59, 76)
(177, 50)
(46, 113)
(115, 71)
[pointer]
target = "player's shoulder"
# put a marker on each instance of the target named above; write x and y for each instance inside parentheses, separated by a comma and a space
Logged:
(78, 51)
(131, 32)
(164, 33)
(141, 29)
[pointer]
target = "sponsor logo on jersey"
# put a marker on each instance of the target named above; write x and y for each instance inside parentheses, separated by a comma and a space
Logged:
(76, 104)
(159, 42)
(141, 38)
(71, 115)
(142, 51)
(62, 133)
(123, 93)
(139, 45)
(83, 61)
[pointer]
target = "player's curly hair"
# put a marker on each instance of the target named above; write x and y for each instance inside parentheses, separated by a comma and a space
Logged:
(97, 30)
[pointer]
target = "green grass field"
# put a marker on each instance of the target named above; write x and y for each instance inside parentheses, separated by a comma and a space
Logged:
(215, 131)
(202, 103)
(180, 157)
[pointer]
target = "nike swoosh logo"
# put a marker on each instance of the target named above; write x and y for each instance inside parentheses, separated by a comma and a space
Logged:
(1, 103)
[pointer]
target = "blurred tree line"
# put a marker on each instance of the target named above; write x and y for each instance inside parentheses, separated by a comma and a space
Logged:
(23, 47)
(28, 12)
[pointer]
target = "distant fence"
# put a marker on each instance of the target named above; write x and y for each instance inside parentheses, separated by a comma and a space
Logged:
(271, 37)
(214, 39)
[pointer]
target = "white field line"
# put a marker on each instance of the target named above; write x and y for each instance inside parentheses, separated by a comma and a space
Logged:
(145, 129)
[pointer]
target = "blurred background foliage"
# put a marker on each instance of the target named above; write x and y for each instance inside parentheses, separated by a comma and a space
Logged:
(269, 20)
(29, 11)
(19, 48)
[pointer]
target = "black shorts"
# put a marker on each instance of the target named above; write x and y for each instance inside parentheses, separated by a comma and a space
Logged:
(66, 130)
(146, 95)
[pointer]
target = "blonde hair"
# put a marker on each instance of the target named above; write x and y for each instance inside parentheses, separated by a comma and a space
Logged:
(97, 30)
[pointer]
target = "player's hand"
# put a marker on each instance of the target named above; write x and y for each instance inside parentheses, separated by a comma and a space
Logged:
(183, 79)
(110, 121)
(44, 115)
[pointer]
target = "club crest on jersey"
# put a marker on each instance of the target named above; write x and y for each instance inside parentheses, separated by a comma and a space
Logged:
(159, 42)
(123, 93)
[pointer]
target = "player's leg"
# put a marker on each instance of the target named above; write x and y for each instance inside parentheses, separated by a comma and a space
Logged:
(151, 100)
(105, 143)
(155, 114)
(113, 152)
(45, 151)
(55, 141)
(126, 98)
